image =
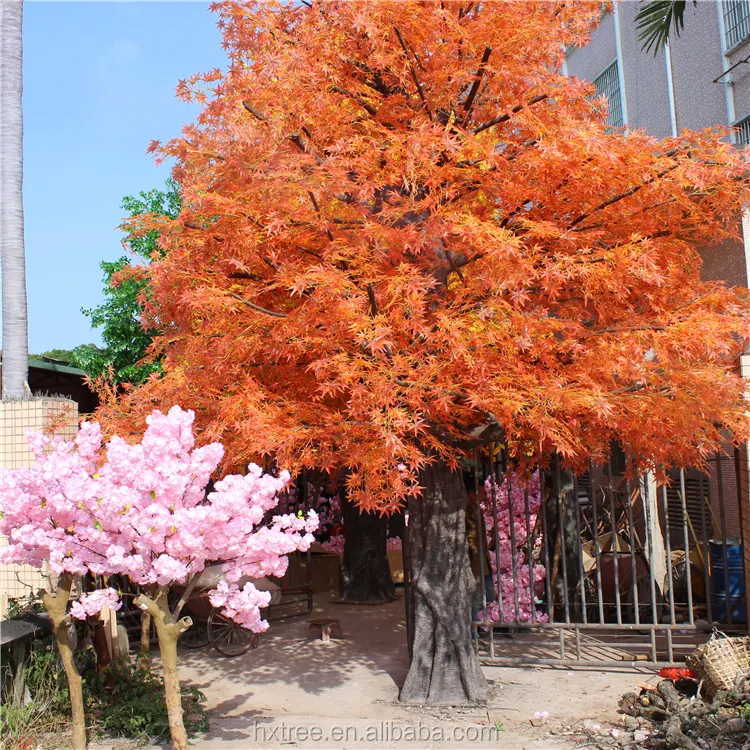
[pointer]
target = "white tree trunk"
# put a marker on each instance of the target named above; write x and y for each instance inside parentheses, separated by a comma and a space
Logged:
(12, 256)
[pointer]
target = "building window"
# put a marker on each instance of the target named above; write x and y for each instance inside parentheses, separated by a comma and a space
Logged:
(608, 84)
(742, 134)
(736, 21)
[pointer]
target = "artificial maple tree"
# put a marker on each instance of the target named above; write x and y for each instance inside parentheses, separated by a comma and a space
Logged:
(404, 230)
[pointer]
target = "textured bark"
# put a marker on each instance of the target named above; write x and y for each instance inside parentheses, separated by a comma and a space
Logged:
(15, 344)
(365, 573)
(444, 668)
(173, 697)
(57, 607)
(168, 632)
(145, 650)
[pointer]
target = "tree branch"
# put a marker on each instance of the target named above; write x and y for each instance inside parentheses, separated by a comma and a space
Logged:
(621, 196)
(193, 225)
(357, 98)
(314, 200)
(295, 138)
(623, 329)
(256, 307)
(376, 83)
(373, 301)
(414, 75)
(464, 11)
(504, 118)
(185, 595)
(477, 81)
(254, 112)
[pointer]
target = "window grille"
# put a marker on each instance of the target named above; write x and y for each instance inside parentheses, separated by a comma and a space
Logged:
(608, 84)
(742, 134)
(736, 21)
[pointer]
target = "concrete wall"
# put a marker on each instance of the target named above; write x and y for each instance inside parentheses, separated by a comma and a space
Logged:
(646, 90)
(588, 62)
(725, 261)
(742, 459)
(696, 60)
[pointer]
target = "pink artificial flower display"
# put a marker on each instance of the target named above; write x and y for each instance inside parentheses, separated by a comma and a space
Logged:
(142, 510)
(335, 545)
(529, 579)
(92, 604)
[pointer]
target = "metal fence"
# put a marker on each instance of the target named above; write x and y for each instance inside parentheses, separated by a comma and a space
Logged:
(601, 568)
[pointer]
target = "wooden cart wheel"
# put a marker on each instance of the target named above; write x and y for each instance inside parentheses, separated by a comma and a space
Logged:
(195, 636)
(229, 638)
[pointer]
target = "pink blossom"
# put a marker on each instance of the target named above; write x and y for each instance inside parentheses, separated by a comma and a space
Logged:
(92, 604)
(335, 545)
(528, 586)
(243, 605)
(142, 510)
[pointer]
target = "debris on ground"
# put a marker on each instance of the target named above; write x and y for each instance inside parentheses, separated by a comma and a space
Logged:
(678, 717)
(704, 706)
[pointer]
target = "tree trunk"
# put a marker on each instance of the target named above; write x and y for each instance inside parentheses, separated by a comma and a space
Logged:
(57, 607)
(444, 668)
(172, 694)
(145, 650)
(365, 573)
(15, 343)
(168, 632)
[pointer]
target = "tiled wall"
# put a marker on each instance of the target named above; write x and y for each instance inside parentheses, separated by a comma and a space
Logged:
(56, 415)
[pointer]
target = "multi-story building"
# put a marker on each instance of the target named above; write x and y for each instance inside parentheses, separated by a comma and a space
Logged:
(699, 80)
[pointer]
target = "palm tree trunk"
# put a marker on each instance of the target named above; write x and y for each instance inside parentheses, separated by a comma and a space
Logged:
(12, 256)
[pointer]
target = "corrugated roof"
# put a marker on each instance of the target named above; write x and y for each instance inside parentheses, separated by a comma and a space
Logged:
(55, 366)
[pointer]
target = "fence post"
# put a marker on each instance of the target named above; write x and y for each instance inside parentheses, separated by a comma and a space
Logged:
(742, 464)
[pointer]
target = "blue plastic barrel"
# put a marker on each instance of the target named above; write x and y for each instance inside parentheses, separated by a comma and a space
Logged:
(735, 578)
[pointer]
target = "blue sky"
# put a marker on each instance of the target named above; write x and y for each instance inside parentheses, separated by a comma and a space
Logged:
(99, 84)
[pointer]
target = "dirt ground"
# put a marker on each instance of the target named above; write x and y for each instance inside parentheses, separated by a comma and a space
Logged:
(293, 691)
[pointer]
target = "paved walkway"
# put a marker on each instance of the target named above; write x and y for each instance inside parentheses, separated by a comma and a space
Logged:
(296, 692)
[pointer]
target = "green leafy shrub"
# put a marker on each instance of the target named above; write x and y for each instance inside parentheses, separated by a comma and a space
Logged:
(134, 708)
(24, 605)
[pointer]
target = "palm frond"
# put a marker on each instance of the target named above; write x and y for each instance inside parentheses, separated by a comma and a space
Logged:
(656, 19)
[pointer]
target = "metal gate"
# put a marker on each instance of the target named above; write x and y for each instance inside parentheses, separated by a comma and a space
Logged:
(600, 569)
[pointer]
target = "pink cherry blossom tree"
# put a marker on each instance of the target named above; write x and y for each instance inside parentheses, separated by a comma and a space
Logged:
(142, 510)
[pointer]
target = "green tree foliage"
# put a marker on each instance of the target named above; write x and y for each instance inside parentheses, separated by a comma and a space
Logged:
(125, 340)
